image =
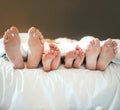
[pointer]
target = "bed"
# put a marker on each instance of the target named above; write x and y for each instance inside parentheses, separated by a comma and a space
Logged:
(62, 89)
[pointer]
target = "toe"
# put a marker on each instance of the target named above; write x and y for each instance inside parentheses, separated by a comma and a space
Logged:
(97, 42)
(5, 36)
(31, 31)
(9, 33)
(14, 31)
(114, 44)
(13, 28)
(93, 42)
(108, 42)
(39, 34)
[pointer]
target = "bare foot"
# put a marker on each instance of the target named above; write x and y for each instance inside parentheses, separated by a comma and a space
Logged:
(51, 60)
(35, 43)
(92, 53)
(108, 52)
(56, 60)
(70, 57)
(79, 59)
(12, 47)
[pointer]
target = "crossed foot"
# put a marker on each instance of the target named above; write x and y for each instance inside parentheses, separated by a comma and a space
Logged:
(12, 47)
(98, 58)
(74, 58)
(51, 59)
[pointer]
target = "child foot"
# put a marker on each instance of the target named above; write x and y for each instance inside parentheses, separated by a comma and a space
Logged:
(108, 52)
(35, 43)
(79, 59)
(12, 47)
(70, 57)
(92, 53)
(56, 60)
(48, 59)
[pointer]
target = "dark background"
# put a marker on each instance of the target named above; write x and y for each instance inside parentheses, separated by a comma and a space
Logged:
(63, 18)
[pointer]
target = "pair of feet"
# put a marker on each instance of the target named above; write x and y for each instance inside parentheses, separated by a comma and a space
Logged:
(97, 57)
(12, 47)
(74, 58)
(36, 44)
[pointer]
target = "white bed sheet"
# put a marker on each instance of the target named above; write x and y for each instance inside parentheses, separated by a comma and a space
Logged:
(62, 89)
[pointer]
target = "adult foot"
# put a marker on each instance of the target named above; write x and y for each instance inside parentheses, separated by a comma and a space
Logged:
(92, 53)
(12, 47)
(79, 59)
(35, 43)
(108, 52)
(70, 57)
(51, 59)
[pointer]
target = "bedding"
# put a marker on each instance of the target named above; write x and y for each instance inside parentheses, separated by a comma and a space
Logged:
(62, 89)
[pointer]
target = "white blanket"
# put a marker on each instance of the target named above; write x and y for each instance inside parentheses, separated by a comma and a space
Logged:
(62, 89)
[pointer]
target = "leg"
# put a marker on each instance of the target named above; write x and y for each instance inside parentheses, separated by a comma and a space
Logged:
(35, 43)
(51, 59)
(79, 59)
(92, 53)
(12, 47)
(108, 52)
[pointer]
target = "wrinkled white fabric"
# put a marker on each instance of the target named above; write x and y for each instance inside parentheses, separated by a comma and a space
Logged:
(62, 89)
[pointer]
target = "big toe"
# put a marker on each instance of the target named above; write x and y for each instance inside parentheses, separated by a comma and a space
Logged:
(14, 31)
(31, 31)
